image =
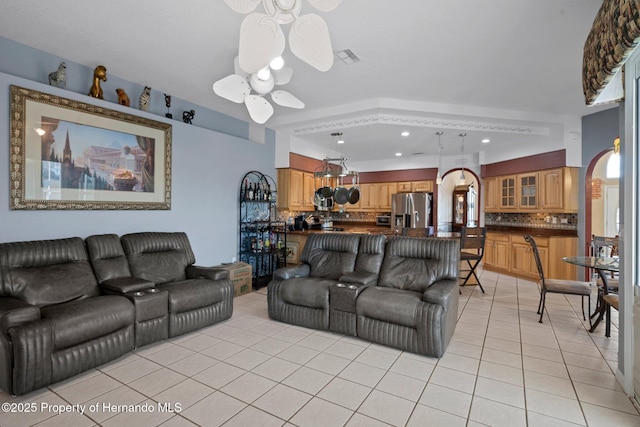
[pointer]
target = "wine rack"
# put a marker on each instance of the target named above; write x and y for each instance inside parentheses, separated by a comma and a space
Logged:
(262, 239)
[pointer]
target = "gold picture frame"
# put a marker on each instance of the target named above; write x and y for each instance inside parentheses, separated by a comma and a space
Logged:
(71, 155)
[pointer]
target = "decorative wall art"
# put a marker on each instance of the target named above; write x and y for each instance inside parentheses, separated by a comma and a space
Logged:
(67, 154)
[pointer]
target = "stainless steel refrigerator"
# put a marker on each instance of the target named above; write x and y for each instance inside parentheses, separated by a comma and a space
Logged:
(411, 210)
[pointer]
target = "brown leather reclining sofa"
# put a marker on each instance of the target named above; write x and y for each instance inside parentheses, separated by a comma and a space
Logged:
(68, 305)
(401, 292)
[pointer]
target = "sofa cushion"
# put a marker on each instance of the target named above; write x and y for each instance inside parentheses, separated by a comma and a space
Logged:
(159, 267)
(77, 322)
(107, 257)
(307, 291)
(192, 294)
(54, 284)
(389, 305)
(412, 274)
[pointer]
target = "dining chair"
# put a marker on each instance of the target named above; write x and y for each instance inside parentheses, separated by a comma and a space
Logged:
(610, 300)
(472, 241)
(558, 286)
(602, 246)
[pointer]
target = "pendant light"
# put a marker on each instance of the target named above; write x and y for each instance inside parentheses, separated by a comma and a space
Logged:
(439, 175)
(463, 180)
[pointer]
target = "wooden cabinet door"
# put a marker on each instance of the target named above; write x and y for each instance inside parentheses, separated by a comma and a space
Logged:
(527, 189)
(501, 253)
(421, 187)
(552, 189)
(489, 252)
(296, 189)
(368, 197)
(507, 195)
(491, 194)
(385, 191)
(404, 187)
(523, 261)
(308, 190)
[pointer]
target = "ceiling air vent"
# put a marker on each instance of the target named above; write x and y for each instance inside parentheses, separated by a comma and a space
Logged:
(347, 56)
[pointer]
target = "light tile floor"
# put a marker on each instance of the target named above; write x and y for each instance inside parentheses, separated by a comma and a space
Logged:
(502, 368)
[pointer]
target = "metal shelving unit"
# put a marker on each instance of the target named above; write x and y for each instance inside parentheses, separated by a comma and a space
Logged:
(262, 239)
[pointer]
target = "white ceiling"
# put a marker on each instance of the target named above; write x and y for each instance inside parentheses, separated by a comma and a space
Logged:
(509, 70)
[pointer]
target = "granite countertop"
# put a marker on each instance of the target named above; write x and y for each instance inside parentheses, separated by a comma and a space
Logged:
(534, 231)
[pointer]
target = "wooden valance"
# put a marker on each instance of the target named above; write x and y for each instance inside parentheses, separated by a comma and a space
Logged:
(613, 37)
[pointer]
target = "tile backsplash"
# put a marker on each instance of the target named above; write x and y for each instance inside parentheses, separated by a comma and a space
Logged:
(535, 220)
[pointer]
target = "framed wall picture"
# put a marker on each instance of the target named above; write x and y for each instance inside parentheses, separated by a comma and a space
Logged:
(67, 154)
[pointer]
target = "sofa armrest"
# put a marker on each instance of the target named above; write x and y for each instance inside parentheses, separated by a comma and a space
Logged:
(124, 285)
(442, 292)
(360, 278)
(14, 312)
(285, 273)
(211, 273)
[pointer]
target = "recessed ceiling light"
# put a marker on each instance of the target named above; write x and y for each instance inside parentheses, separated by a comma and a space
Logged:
(340, 141)
(486, 141)
(405, 133)
(398, 154)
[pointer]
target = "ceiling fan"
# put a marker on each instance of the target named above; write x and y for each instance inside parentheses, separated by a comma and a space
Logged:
(262, 38)
(238, 87)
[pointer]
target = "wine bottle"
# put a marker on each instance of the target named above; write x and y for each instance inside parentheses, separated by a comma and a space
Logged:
(250, 191)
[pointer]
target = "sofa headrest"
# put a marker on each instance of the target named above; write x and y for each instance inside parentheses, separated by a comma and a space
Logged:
(107, 257)
(370, 253)
(46, 272)
(158, 257)
(330, 255)
(416, 263)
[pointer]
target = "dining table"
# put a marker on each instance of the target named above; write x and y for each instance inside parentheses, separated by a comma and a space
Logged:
(604, 266)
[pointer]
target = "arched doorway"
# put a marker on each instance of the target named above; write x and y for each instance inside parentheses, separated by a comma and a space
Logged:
(450, 180)
(601, 198)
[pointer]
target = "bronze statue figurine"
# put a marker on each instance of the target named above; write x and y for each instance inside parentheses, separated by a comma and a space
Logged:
(100, 73)
(123, 98)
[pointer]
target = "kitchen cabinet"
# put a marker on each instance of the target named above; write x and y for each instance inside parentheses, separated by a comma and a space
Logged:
(496, 251)
(527, 188)
(415, 186)
(368, 197)
(557, 190)
(385, 191)
(296, 190)
(548, 191)
(522, 260)
(308, 191)
(491, 194)
(507, 195)
(510, 253)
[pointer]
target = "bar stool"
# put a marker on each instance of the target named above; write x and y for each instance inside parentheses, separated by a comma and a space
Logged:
(471, 250)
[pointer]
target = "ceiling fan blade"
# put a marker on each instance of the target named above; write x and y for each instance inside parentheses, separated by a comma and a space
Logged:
(283, 75)
(309, 40)
(325, 5)
(286, 99)
(236, 68)
(242, 6)
(259, 108)
(261, 40)
(234, 88)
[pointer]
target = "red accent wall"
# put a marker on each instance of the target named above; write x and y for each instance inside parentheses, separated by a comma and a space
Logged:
(550, 160)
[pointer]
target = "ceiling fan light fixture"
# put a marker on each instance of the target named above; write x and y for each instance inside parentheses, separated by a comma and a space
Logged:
(264, 74)
(277, 63)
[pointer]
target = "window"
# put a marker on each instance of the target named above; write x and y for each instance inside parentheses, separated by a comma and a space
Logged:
(613, 166)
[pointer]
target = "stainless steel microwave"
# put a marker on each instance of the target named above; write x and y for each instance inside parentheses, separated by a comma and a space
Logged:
(384, 220)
